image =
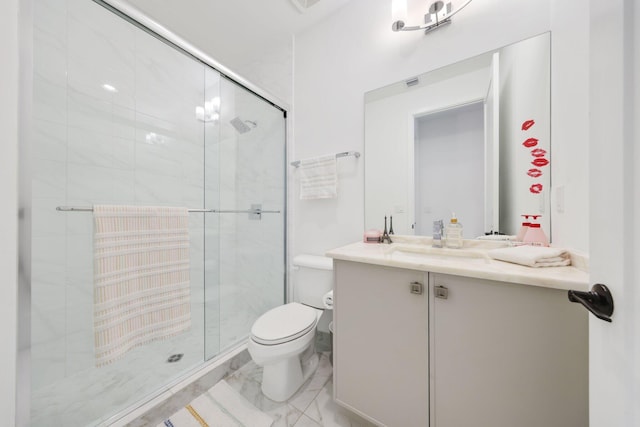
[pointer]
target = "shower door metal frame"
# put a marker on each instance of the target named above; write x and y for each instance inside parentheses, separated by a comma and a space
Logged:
(150, 26)
(22, 372)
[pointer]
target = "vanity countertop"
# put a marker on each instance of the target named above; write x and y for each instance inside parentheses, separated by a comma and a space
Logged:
(416, 253)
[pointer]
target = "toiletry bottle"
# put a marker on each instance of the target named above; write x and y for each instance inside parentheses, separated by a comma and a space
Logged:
(534, 235)
(453, 233)
(524, 228)
(438, 229)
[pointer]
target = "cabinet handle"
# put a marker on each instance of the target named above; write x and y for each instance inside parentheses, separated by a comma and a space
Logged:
(441, 292)
(416, 288)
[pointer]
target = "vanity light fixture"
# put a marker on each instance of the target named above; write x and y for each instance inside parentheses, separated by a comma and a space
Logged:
(438, 14)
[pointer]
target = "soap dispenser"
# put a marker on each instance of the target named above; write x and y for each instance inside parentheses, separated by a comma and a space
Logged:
(524, 228)
(534, 235)
(453, 233)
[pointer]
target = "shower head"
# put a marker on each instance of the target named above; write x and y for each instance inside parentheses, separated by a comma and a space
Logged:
(243, 126)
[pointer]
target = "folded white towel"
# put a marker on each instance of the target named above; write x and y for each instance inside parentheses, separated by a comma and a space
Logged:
(318, 178)
(532, 256)
(496, 237)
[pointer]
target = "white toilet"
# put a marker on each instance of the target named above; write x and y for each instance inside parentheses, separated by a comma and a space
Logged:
(282, 338)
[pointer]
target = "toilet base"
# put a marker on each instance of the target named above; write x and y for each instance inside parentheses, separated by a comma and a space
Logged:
(281, 380)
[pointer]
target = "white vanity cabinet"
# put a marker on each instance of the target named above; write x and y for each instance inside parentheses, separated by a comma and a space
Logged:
(505, 355)
(465, 352)
(381, 343)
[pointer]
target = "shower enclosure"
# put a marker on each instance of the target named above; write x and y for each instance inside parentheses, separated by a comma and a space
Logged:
(122, 117)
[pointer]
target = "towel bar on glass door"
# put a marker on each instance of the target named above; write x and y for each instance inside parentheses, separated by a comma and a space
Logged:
(343, 154)
(255, 211)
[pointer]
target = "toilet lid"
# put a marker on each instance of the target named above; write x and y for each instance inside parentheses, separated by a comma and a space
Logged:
(284, 323)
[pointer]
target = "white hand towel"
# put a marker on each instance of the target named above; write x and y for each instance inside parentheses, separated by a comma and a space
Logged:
(327, 300)
(532, 256)
(318, 178)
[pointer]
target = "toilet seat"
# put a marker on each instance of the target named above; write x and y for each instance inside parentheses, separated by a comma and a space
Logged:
(284, 323)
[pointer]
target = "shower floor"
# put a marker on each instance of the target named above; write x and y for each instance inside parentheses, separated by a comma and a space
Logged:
(78, 399)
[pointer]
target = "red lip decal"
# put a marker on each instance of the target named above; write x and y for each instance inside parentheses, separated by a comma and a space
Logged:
(536, 188)
(531, 142)
(527, 124)
(540, 161)
(534, 173)
(538, 152)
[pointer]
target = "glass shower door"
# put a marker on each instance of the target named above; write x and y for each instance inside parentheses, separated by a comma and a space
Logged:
(114, 123)
(122, 118)
(251, 244)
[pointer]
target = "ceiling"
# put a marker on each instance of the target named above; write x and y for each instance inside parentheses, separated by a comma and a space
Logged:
(233, 30)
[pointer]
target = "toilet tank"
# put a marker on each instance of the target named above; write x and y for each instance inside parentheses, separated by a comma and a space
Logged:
(312, 278)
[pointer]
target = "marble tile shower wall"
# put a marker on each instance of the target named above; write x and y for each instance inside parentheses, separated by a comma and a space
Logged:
(140, 144)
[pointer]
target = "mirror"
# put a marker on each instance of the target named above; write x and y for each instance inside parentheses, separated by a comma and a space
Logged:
(471, 138)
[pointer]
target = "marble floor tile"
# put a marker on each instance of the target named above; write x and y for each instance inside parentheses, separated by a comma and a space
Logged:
(314, 385)
(311, 406)
(327, 413)
(305, 421)
(247, 382)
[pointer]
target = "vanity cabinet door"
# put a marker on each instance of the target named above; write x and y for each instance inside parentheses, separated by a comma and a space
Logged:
(506, 355)
(381, 341)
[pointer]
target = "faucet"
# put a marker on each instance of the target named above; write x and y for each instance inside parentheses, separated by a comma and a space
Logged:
(438, 231)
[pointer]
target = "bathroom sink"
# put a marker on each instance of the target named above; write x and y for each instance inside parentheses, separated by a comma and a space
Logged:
(426, 253)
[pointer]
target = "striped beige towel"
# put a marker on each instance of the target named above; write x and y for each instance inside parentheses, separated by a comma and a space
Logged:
(318, 178)
(141, 277)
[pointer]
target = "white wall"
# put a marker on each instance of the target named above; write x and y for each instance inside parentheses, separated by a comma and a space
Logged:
(9, 196)
(355, 51)
(569, 118)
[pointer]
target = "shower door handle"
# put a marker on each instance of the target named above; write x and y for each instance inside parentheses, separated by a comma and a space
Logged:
(255, 213)
(250, 211)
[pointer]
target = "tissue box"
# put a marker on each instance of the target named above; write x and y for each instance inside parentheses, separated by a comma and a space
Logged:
(372, 236)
